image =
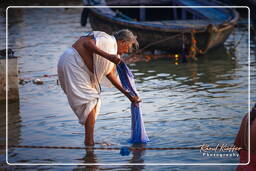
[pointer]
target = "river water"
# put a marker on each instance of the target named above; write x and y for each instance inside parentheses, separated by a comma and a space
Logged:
(184, 105)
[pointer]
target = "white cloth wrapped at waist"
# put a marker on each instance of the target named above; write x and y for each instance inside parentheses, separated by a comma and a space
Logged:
(79, 83)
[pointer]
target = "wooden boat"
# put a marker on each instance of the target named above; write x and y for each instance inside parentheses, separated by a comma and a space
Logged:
(251, 4)
(169, 29)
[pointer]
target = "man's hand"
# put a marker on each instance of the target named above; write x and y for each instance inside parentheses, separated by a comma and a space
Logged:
(134, 99)
(114, 58)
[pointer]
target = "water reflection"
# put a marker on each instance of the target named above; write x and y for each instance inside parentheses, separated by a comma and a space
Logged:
(14, 125)
(15, 16)
(137, 157)
(2, 126)
(89, 157)
(209, 69)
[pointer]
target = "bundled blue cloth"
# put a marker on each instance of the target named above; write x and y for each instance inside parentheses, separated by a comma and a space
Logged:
(139, 134)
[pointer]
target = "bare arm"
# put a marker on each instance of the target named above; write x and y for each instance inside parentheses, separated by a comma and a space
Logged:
(90, 44)
(111, 77)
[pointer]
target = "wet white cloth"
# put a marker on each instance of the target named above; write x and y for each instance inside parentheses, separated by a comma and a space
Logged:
(79, 83)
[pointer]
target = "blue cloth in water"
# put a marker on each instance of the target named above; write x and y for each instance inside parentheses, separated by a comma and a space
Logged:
(124, 151)
(139, 134)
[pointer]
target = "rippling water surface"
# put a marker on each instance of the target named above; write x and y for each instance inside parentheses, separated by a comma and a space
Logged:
(184, 105)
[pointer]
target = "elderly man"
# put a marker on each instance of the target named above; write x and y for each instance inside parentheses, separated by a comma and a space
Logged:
(87, 65)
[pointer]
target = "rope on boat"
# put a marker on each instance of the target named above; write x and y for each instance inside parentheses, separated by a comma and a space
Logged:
(185, 25)
(156, 42)
(101, 148)
(232, 49)
(193, 50)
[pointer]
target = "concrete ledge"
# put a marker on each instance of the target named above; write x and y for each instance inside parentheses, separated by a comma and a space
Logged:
(13, 84)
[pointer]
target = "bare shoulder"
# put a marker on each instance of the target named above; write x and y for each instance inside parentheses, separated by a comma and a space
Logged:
(88, 41)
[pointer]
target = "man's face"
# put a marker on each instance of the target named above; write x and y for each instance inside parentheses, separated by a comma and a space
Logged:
(123, 47)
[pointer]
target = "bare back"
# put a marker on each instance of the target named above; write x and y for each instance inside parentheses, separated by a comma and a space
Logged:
(85, 53)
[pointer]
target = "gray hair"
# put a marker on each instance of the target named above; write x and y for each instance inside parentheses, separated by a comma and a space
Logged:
(127, 36)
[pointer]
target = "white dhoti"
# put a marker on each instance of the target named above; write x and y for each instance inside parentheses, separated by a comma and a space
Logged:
(79, 83)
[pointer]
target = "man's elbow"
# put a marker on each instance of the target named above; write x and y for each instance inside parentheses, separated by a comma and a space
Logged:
(109, 75)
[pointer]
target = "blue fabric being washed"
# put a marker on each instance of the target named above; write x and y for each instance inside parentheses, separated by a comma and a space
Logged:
(139, 134)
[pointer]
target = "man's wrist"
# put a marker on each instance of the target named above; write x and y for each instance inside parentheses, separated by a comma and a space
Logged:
(119, 61)
(127, 93)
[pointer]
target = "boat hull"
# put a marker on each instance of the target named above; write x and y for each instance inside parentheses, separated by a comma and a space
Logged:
(167, 39)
